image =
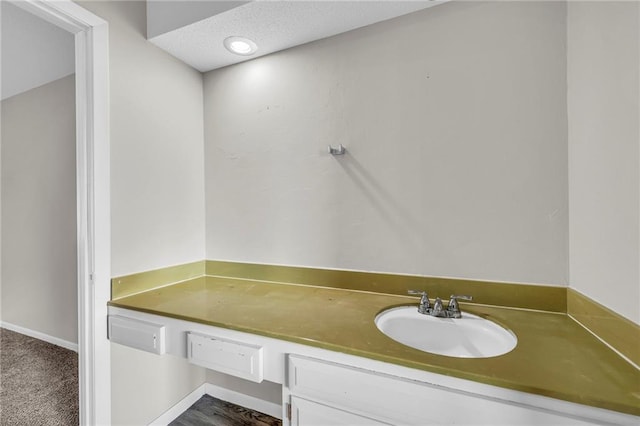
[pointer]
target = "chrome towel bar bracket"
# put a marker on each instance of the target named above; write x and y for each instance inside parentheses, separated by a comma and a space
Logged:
(337, 151)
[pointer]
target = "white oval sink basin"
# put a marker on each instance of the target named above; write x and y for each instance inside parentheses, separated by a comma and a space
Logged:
(468, 337)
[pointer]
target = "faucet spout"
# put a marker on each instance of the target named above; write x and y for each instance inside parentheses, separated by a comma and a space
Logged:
(438, 309)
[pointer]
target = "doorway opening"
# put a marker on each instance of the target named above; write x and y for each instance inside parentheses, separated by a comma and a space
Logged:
(92, 199)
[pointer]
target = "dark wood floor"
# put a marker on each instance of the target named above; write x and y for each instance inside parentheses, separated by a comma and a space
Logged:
(211, 411)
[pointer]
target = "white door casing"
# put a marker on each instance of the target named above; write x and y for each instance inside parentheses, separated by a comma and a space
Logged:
(93, 198)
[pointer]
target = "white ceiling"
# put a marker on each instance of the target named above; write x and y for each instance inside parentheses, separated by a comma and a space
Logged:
(195, 33)
(34, 52)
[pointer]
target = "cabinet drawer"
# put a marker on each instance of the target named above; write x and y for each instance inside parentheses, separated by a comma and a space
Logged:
(355, 390)
(401, 401)
(137, 334)
(235, 358)
(309, 413)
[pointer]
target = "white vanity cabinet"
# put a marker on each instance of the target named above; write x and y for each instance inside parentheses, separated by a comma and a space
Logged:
(323, 393)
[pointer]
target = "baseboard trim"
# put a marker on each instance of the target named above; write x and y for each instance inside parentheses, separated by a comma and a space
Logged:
(274, 410)
(40, 336)
(266, 407)
(172, 413)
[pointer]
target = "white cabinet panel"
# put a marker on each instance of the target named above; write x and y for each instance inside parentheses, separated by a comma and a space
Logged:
(402, 401)
(234, 358)
(309, 413)
(137, 334)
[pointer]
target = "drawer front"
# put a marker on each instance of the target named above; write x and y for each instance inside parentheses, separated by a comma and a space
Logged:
(401, 401)
(351, 389)
(137, 334)
(235, 358)
(309, 413)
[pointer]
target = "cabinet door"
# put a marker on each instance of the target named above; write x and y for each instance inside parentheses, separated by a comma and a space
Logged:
(401, 401)
(309, 413)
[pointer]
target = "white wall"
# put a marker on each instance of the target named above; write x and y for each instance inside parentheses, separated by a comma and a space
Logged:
(145, 385)
(266, 391)
(39, 281)
(157, 168)
(604, 155)
(454, 119)
(34, 52)
(157, 194)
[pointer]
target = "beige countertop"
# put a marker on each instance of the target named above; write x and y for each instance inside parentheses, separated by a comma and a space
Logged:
(555, 356)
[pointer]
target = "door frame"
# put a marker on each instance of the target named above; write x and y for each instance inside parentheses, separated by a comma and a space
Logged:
(93, 198)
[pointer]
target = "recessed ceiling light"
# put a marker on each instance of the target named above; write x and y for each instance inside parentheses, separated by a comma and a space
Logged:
(240, 45)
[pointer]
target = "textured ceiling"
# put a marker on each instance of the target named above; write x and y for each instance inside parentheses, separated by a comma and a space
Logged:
(274, 26)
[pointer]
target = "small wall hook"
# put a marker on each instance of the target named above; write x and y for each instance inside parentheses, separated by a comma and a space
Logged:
(337, 151)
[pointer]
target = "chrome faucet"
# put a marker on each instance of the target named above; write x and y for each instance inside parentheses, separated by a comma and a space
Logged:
(425, 306)
(438, 310)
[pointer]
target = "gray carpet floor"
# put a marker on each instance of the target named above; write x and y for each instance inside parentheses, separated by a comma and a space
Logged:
(38, 382)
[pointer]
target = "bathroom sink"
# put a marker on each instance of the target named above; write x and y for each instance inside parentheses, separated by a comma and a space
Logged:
(468, 337)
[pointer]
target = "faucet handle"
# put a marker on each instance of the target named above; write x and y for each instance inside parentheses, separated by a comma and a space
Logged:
(425, 305)
(461, 297)
(454, 308)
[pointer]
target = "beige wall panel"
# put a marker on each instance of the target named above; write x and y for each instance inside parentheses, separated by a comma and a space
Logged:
(39, 284)
(454, 119)
(604, 153)
(145, 385)
(157, 184)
